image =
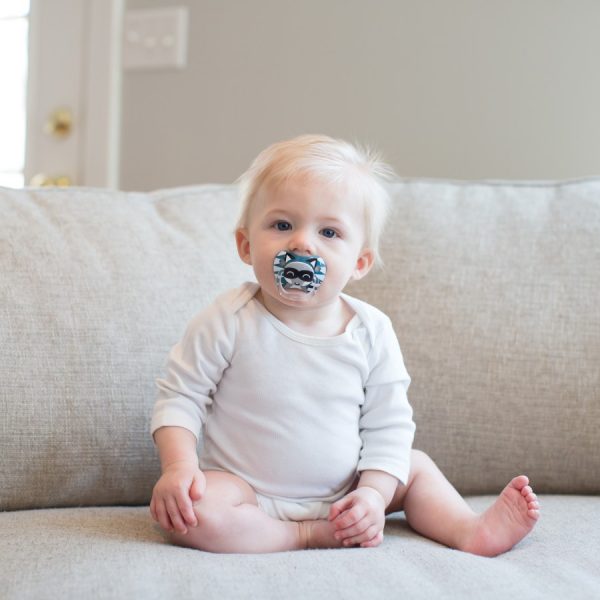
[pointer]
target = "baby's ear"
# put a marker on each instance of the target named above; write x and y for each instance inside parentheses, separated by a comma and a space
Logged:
(243, 244)
(364, 263)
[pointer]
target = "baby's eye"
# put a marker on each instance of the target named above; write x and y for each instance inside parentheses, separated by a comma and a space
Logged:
(282, 226)
(329, 233)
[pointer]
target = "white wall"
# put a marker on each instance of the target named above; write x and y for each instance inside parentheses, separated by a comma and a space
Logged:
(444, 88)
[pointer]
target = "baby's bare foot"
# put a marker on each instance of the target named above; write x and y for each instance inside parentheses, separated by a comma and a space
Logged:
(512, 516)
(318, 534)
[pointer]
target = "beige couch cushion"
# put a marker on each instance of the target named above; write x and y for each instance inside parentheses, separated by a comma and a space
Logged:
(97, 286)
(493, 290)
(117, 553)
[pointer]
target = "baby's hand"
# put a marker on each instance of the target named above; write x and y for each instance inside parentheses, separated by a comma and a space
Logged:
(359, 517)
(180, 484)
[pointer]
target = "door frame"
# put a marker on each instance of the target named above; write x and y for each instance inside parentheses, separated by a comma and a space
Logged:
(75, 63)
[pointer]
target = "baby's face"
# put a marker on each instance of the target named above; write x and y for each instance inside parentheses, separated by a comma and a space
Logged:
(306, 217)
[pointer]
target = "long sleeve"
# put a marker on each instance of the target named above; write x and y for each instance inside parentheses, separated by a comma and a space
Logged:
(194, 368)
(386, 425)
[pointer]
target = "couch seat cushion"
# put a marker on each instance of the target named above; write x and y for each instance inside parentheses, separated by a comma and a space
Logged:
(119, 552)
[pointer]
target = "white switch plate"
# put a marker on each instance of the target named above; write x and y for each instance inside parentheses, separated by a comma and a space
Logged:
(155, 39)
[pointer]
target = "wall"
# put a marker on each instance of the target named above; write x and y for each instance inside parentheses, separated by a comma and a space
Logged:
(462, 89)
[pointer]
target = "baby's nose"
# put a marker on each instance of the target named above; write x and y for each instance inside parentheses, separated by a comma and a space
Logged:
(302, 242)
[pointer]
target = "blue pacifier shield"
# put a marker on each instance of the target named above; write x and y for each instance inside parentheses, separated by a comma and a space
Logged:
(296, 274)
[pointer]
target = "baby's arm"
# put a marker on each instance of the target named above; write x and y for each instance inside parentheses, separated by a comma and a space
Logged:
(181, 482)
(194, 370)
(387, 430)
(359, 517)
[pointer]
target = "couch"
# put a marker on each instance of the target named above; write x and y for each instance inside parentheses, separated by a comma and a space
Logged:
(494, 292)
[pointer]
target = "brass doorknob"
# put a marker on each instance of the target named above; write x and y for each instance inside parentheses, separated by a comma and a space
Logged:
(43, 180)
(59, 123)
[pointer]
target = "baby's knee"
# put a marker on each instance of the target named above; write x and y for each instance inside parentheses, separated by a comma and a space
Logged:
(208, 512)
(211, 522)
(211, 516)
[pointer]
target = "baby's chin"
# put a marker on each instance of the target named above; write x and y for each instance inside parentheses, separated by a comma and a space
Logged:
(292, 299)
(296, 296)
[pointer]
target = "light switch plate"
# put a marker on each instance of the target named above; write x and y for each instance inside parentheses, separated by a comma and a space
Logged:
(156, 38)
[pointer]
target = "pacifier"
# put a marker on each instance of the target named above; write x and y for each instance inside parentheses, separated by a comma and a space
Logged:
(298, 276)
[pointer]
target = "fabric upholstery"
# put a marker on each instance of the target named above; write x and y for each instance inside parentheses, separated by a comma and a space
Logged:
(493, 290)
(97, 286)
(116, 552)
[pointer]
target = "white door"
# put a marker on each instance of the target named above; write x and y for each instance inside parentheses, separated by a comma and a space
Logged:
(73, 101)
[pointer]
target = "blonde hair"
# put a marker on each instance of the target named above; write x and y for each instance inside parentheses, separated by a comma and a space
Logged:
(331, 161)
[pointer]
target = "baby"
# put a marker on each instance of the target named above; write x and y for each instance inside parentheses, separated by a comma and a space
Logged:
(300, 389)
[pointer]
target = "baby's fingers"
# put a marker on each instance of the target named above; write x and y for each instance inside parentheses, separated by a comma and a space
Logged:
(350, 517)
(175, 516)
(354, 531)
(374, 542)
(198, 486)
(369, 535)
(186, 510)
(162, 516)
(347, 510)
(337, 508)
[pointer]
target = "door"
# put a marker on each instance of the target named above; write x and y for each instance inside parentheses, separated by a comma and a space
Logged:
(74, 92)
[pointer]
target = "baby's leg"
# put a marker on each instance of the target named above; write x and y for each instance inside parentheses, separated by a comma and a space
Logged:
(229, 520)
(436, 510)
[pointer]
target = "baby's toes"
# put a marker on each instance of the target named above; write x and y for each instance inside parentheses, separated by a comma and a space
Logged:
(533, 506)
(531, 497)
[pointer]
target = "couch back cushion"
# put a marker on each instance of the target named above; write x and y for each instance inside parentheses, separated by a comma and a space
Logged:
(96, 288)
(493, 290)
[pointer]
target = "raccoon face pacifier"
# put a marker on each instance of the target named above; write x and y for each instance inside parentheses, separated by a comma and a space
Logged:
(296, 275)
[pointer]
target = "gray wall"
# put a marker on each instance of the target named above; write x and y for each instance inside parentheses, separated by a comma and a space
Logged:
(444, 88)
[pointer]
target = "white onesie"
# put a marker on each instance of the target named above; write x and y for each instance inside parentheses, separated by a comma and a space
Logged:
(295, 416)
